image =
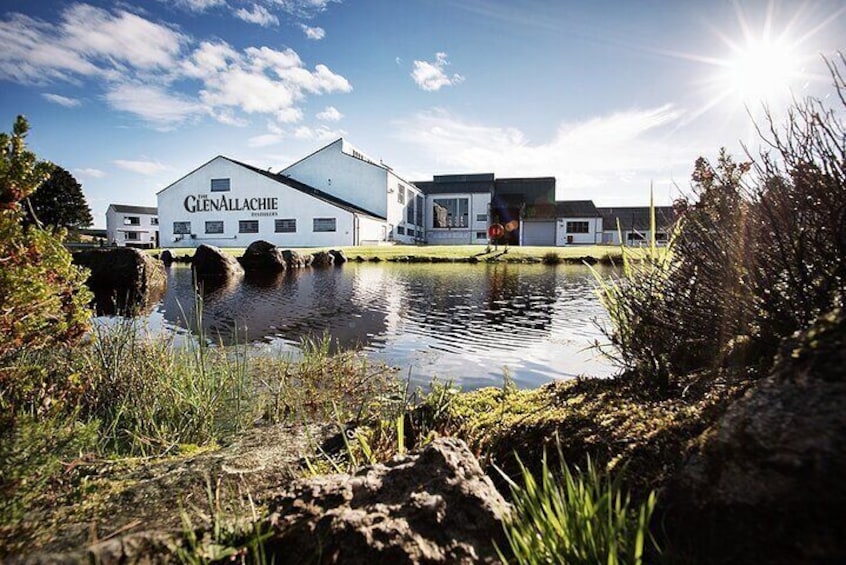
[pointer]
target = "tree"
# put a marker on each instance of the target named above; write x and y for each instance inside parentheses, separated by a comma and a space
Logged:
(59, 202)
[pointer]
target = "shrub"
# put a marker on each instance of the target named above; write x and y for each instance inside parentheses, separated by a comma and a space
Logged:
(43, 300)
(753, 261)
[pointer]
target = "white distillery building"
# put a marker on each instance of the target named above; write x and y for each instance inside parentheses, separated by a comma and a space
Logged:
(227, 203)
(348, 174)
(132, 226)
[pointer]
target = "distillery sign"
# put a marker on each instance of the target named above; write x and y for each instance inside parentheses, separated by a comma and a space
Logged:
(203, 203)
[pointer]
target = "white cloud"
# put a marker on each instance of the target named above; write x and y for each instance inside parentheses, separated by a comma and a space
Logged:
(61, 100)
(89, 173)
(315, 33)
(121, 36)
(87, 41)
(153, 104)
(258, 15)
(147, 168)
(197, 5)
(265, 140)
(150, 70)
(302, 8)
(624, 149)
(289, 115)
(320, 133)
(329, 114)
(267, 81)
(431, 76)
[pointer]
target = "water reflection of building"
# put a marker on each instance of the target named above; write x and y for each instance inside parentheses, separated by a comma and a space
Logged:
(291, 305)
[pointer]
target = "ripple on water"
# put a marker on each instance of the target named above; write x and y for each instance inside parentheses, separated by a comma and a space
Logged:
(469, 323)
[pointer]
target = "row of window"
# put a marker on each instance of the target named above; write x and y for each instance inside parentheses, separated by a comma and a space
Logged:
(411, 232)
(283, 225)
(136, 221)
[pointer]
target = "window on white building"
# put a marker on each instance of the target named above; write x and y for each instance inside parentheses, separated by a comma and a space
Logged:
(154, 221)
(481, 235)
(418, 206)
(132, 221)
(409, 211)
(286, 225)
(450, 212)
(181, 227)
(401, 194)
(410, 232)
(247, 226)
(481, 217)
(578, 227)
(324, 224)
(214, 226)
(400, 230)
(220, 185)
(132, 236)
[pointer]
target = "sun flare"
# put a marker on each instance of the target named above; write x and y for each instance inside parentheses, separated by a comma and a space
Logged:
(761, 70)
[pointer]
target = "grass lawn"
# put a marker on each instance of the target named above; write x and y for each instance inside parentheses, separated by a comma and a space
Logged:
(387, 252)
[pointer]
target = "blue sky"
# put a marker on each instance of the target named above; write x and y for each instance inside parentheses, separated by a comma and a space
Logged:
(605, 96)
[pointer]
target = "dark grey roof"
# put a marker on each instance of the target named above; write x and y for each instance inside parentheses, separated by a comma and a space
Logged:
(636, 217)
(534, 190)
(457, 184)
(310, 190)
(477, 177)
(576, 209)
(130, 209)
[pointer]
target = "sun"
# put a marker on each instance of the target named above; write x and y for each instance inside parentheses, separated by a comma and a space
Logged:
(761, 71)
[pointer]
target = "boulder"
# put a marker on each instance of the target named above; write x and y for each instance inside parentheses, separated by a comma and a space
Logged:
(167, 257)
(322, 259)
(338, 255)
(294, 260)
(766, 484)
(210, 261)
(433, 506)
(123, 279)
(263, 256)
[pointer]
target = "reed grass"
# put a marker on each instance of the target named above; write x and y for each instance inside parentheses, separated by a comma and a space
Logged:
(575, 517)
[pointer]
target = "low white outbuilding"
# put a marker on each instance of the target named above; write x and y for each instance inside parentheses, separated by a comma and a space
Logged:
(132, 226)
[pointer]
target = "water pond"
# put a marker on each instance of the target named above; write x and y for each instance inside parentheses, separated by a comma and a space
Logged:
(467, 323)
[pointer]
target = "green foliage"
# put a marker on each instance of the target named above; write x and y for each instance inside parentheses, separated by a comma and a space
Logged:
(59, 202)
(33, 455)
(575, 518)
(20, 170)
(43, 300)
(150, 394)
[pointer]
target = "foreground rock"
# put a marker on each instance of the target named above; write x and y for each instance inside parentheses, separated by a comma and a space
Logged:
(767, 485)
(322, 259)
(123, 279)
(294, 260)
(263, 256)
(435, 506)
(338, 256)
(210, 261)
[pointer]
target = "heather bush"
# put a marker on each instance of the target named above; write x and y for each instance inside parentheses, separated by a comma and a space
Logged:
(759, 254)
(43, 299)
